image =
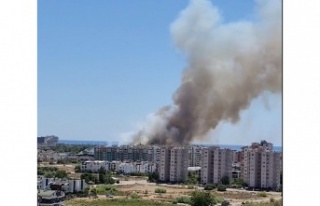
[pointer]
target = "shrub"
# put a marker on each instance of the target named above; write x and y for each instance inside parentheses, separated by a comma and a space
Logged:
(202, 198)
(209, 187)
(222, 188)
(262, 194)
(271, 199)
(183, 199)
(191, 187)
(134, 195)
(160, 190)
(225, 203)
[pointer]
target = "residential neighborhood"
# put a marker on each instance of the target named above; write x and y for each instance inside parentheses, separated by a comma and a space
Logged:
(66, 175)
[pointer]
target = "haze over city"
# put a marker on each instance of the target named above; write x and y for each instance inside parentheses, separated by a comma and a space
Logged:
(103, 74)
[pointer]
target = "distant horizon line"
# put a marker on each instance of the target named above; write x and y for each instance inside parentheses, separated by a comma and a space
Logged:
(103, 141)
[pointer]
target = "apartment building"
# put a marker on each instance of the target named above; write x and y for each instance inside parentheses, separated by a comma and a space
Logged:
(67, 186)
(123, 153)
(50, 198)
(194, 156)
(48, 141)
(261, 166)
(164, 164)
(216, 163)
(140, 167)
(94, 166)
(178, 164)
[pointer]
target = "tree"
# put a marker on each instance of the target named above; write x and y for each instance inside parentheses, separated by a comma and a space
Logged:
(77, 168)
(94, 192)
(49, 175)
(109, 179)
(238, 182)
(89, 177)
(225, 180)
(153, 177)
(61, 174)
(86, 191)
(201, 198)
(102, 175)
(192, 178)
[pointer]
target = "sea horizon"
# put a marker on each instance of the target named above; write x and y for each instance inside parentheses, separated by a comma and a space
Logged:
(109, 143)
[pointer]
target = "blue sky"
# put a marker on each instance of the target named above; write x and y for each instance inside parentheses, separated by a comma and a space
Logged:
(103, 66)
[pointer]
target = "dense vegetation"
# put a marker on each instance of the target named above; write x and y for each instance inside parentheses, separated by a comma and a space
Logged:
(192, 179)
(50, 172)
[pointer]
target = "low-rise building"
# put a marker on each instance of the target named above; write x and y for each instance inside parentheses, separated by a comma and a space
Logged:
(50, 198)
(65, 185)
(94, 166)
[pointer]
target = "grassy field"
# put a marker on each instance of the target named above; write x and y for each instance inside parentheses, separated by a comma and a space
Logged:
(115, 202)
(275, 203)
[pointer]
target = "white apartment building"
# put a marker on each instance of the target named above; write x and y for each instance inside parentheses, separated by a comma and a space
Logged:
(261, 167)
(140, 167)
(178, 164)
(215, 164)
(68, 186)
(94, 166)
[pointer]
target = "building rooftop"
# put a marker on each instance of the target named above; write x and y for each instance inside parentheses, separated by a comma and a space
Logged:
(194, 168)
(46, 193)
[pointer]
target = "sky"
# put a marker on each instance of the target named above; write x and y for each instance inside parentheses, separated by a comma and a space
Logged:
(104, 66)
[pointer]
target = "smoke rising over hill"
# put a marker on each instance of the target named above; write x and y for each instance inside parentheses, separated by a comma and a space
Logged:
(228, 65)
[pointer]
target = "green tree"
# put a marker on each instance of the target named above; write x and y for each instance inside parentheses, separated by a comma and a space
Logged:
(102, 175)
(77, 168)
(94, 192)
(89, 177)
(225, 180)
(153, 177)
(86, 191)
(49, 175)
(109, 179)
(61, 174)
(201, 198)
(192, 178)
(238, 182)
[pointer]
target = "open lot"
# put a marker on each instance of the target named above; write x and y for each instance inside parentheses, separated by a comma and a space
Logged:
(145, 191)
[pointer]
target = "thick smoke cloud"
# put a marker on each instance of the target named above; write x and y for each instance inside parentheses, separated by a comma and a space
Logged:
(229, 65)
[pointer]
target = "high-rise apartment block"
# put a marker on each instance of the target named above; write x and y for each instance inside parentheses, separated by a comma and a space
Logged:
(194, 158)
(178, 164)
(124, 153)
(216, 163)
(164, 164)
(261, 166)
